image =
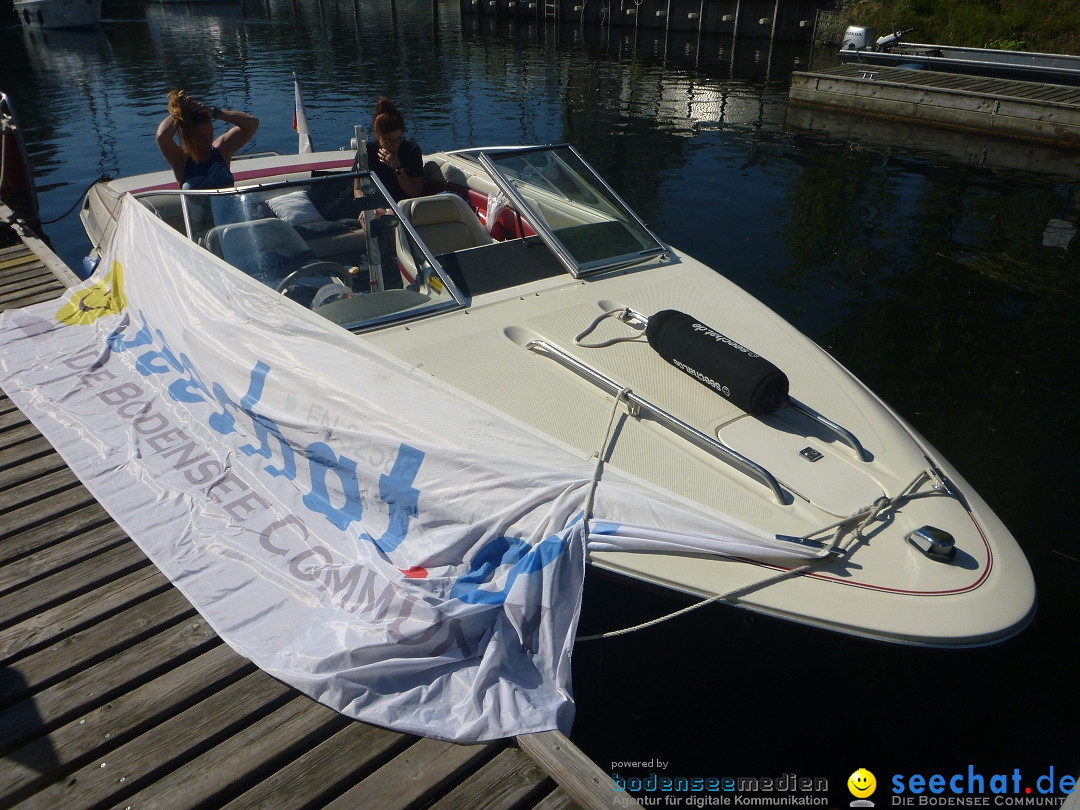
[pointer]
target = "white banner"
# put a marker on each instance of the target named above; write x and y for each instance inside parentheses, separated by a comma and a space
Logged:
(385, 545)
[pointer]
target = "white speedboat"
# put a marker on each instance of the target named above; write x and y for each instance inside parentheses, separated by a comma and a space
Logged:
(58, 13)
(522, 281)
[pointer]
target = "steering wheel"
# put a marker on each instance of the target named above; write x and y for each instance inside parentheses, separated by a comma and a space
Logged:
(317, 268)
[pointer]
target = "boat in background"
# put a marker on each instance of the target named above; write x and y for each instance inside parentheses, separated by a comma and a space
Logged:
(17, 189)
(58, 13)
(860, 46)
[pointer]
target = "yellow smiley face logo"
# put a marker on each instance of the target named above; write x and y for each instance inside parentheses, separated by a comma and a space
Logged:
(861, 783)
(106, 297)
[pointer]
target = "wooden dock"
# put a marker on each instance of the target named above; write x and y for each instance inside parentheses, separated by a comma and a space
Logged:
(115, 692)
(1017, 109)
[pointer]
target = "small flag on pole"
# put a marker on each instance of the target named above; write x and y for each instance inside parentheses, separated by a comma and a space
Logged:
(299, 122)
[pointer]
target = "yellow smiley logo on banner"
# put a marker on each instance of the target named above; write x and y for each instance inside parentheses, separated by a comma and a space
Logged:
(104, 298)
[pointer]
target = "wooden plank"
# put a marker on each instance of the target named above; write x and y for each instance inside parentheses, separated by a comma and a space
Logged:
(323, 772)
(117, 771)
(22, 432)
(27, 280)
(23, 258)
(576, 773)
(507, 781)
(28, 516)
(188, 651)
(11, 417)
(958, 108)
(15, 250)
(20, 573)
(61, 271)
(414, 776)
(33, 465)
(46, 626)
(5, 403)
(45, 760)
(32, 490)
(15, 263)
(557, 800)
(47, 294)
(51, 529)
(87, 647)
(94, 571)
(238, 762)
(1059, 95)
(42, 288)
(29, 270)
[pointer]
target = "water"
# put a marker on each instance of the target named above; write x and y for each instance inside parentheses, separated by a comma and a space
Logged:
(929, 266)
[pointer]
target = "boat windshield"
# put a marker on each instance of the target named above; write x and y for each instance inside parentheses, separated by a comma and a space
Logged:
(317, 241)
(577, 214)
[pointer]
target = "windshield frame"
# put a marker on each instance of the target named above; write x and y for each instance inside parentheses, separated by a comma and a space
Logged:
(375, 195)
(583, 176)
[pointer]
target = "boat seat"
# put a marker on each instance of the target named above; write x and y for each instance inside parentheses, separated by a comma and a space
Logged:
(445, 223)
(264, 248)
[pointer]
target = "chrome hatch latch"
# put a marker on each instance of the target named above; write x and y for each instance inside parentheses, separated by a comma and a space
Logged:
(935, 543)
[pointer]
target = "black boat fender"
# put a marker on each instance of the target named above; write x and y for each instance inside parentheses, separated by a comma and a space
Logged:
(748, 380)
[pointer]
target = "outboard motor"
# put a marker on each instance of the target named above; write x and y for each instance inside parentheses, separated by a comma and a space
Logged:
(716, 361)
(857, 38)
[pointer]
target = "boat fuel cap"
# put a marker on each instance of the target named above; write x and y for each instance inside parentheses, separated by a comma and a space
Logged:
(935, 543)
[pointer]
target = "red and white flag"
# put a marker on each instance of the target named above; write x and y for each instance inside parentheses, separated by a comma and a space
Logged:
(299, 121)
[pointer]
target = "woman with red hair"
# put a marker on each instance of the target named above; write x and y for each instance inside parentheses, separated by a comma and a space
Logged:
(398, 163)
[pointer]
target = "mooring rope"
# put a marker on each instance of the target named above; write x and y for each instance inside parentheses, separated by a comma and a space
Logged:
(78, 200)
(598, 467)
(864, 518)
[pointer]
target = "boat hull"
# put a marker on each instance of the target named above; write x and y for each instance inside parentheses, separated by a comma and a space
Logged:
(58, 13)
(17, 188)
(515, 350)
(1019, 65)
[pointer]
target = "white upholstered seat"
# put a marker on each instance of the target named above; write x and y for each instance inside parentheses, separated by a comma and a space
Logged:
(445, 223)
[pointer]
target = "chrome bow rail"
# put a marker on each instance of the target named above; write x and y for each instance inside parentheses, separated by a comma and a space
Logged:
(662, 417)
(846, 436)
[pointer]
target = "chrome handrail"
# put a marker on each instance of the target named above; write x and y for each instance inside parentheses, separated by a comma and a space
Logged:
(845, 435)
(668, 420)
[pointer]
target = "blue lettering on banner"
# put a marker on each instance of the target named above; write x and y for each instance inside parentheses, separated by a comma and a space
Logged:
(510, 554)
(398, 493)
(323, 461)
(522, 558)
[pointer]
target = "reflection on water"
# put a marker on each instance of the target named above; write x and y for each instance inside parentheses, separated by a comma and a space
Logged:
(938, 268)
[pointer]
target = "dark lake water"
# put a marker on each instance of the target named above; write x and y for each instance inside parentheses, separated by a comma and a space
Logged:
(940, 269)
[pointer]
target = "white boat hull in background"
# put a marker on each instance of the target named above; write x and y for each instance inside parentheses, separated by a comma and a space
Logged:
(58, 13)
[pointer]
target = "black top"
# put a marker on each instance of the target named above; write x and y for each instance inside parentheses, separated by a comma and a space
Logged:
(214, 173)
(412, 164)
